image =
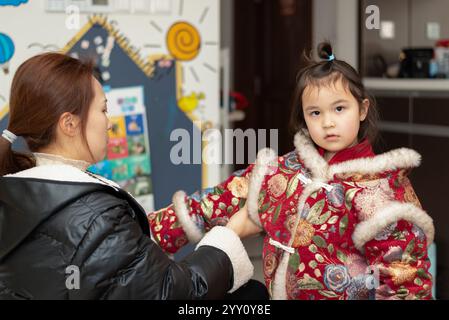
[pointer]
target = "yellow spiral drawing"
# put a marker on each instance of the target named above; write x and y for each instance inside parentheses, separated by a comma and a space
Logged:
(183, 41)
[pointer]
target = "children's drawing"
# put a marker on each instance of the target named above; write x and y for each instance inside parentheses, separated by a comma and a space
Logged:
(14, 3)
(191, 102)
(7, 50)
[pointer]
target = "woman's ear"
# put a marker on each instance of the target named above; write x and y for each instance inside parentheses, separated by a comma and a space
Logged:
(69, 124)
(364, 110)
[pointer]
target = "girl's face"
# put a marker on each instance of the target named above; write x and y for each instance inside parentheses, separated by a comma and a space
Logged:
(98, 125)
(333, 116)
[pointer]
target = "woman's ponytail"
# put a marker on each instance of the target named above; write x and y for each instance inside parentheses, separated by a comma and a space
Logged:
(12, 161)
(5, 156)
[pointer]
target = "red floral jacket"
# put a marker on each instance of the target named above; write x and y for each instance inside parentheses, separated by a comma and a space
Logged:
(351, 228)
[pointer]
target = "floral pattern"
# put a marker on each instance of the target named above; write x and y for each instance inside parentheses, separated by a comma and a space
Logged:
(270, 264)
(277, 185)
(410, 195)
(336, 196)
(359, 289)
(374, 197)
(386, 233)
(304, 232)
(239, 187)
(393, 254)
(291, 161)
(418, 232)
(325, 263)
(356, 265)
(400, 272)
(336, 278)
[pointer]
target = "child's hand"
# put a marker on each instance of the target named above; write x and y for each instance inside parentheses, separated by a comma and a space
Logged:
(242, 225)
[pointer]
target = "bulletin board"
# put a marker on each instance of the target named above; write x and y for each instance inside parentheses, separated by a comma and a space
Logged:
(142, 57)
(120, 70)
(128, 159)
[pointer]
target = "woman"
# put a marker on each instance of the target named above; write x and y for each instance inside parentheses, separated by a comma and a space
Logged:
(68, 234)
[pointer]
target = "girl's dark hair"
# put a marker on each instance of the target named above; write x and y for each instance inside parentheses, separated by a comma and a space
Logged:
(44, 87)
(329, 72)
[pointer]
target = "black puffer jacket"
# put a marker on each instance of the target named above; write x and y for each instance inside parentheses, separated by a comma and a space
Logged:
(51, 229)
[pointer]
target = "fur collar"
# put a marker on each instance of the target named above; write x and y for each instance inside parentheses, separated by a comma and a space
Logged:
(45, 159)
(55, 168)
(393, 160)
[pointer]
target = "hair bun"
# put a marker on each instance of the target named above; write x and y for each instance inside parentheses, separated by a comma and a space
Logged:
(325, 51)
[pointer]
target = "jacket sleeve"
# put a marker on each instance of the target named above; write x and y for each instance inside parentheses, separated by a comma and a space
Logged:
(395, 241)
(190, 217)
(117, 260)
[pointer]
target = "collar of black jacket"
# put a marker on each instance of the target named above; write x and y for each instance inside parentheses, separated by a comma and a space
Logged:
(26, 203)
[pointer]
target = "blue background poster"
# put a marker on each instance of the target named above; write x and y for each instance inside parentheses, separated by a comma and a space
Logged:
(128, 159)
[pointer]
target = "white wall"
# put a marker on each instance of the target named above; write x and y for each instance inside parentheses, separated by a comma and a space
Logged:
(324, 21)
(337, 21)
(30, 23)
(227, 30)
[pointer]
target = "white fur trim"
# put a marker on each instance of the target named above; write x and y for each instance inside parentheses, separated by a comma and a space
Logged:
(279, 287)
(63, 173)
(45, 159)
(395, 211)
(260, 170)
(390, 161)
(279, 283)
(227, 240)
(193, 233)
(396, 159)
(309, 154)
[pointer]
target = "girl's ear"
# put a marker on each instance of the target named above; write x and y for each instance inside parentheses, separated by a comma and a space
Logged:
(69, 124)
(364, 110)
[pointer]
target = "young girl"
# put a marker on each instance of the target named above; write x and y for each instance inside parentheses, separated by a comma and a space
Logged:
(340, 222)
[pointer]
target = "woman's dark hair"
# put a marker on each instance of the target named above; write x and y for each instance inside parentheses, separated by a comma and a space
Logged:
(329, 72)
(44, 87)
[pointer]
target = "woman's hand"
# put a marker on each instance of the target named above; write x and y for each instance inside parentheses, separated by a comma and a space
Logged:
(242, 225)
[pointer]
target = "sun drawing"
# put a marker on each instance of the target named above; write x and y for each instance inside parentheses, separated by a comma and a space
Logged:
(184, 43)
